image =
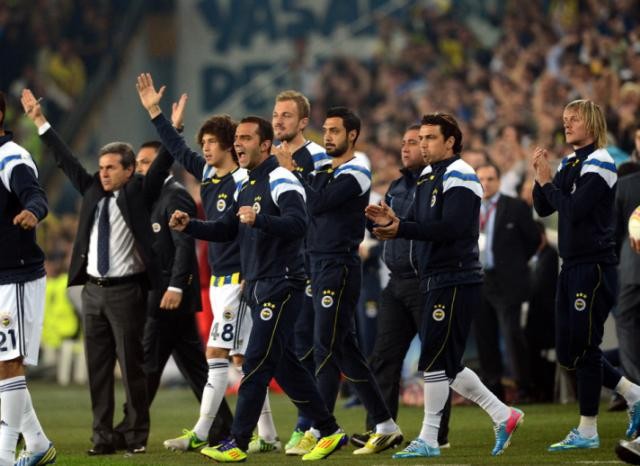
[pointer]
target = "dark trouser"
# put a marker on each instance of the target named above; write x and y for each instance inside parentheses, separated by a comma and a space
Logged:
(586, 294)
(446, 322)
(336, 287)
(114, 320)
(176, 334)
(497, 315)
(399, 318)
(303, 331)
(627, 316)
(275, 304)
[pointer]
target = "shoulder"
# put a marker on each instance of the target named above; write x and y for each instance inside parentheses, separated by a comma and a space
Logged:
(566, 160)
(12, 154)
(460, 174)
(281, 181)
(357, 165)
(601, 163)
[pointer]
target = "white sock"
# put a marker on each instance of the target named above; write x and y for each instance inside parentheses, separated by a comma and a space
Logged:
(588, 426)
(468, 384)
(315, 432)
(266, 427)
(629, 390)
(387, 427)
(13, 394)
(34, 437)
(212, 395)
(436, 393)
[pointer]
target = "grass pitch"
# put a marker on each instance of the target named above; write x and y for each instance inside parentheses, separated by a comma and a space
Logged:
(66, 416)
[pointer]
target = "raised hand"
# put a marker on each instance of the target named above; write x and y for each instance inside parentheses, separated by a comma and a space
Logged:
(177, 111)
(284, 156)
(179, 220)
(32, 107)
(149, 97)
(541, 166)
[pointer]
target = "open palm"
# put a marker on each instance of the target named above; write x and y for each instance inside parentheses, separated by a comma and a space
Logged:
(149, 97)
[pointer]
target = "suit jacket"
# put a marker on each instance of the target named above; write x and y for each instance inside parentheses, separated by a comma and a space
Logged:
(627, 199)
(515, 240)
(175, 251)
(135, 201)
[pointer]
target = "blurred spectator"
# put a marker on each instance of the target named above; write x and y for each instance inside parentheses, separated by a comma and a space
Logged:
(67, 70)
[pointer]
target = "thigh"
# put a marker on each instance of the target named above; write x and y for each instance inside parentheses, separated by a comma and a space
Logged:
(231, 323)
(445, 327)
(21, 320)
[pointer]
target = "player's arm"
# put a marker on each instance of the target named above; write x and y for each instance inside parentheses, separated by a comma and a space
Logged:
(23, 182)
(341, 190)
(292, 221)
(458, 217)
(156, 176)
(621, 221)
(541, 166)
(579, 204)
(79, 177)
(223, 229)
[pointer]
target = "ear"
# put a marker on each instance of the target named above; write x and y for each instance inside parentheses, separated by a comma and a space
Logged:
(302, 124)
(449, 143)
(351, 135)
(265, 146)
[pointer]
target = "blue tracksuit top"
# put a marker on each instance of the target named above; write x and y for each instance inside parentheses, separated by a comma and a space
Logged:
(272, 248)
(445, 220)
(583, 194)
(216, 193)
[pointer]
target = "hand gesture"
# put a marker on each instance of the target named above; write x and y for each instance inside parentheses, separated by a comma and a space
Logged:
(25, 220)
(177, 111)
(380, 214)
(171, 300)
(284, 156)
(149, 97)
(32, 108)
(247, 215)
(179, 220)
(541, 166)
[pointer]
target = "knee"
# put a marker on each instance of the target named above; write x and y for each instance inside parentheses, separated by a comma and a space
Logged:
(12, 368)
(217, 353)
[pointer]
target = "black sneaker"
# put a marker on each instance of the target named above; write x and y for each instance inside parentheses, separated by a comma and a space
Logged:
(359, 440)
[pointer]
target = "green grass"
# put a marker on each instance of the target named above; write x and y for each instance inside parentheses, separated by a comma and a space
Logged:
(66, 416)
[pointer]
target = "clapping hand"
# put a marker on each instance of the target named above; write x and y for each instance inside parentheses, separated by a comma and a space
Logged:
(541, 166)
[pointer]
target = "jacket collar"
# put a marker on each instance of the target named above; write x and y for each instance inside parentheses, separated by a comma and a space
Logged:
(264, 168)
(585, 151)
(8, 136)
(444, 163)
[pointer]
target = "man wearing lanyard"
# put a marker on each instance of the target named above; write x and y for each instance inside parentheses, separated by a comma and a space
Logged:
(510, 239)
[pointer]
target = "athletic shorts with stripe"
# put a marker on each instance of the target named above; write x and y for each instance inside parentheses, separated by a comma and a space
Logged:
(446, 321)
(231, 323)
(21, 317)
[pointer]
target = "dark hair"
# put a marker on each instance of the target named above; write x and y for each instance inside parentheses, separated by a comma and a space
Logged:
(628, 168)
(265, 130)
(127, 159)
(489, 163)
(448, 126)
(3, 108)
(413, 128)
(222, 127)
(350, 120)
(152, 145)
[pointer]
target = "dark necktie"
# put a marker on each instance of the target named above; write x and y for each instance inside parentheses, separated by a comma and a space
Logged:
(104, 231)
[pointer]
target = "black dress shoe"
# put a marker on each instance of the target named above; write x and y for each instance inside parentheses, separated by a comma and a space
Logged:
(101, 450)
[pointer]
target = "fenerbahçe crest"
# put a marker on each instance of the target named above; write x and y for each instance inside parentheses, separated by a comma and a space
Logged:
(256, 204)
(221, 204)
(580, 304)
(5, 320)
(434, 197)
(267, 311)
(327, 298)
(438, 313)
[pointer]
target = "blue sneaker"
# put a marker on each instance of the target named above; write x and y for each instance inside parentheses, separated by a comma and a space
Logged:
(634, 420)
(29, 458)
(505, 430)
(575, 441)
(418, 448)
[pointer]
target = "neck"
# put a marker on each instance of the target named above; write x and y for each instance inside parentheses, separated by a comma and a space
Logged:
(337, 161)
(228, 165)
(297, 142)
(2, 133)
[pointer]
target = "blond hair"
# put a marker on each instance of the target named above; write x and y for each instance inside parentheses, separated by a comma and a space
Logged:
(304, 107)
(594, 119)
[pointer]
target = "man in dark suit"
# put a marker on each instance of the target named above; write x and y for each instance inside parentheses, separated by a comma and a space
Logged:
(171, 327)
(627, 314)
(113, 258)
(510, 239)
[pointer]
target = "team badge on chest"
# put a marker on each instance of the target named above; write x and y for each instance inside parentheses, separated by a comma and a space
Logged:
(434, 197)
(256, 204)
(221, 205)
(5, 320)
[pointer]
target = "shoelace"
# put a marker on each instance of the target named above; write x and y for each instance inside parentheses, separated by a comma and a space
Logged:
(413, 446)
(572, 435)
(228, 444)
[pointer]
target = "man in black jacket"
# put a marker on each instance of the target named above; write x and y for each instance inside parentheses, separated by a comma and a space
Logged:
(510, 240)
(113, 258)
(402, 300)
